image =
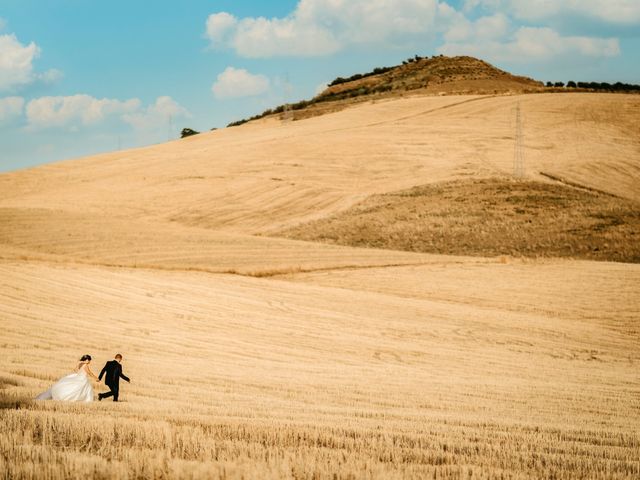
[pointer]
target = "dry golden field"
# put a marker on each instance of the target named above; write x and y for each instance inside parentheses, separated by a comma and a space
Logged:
(255, 356)
(484, 217)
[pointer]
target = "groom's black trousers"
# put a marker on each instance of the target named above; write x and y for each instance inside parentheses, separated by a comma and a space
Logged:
(114, 391)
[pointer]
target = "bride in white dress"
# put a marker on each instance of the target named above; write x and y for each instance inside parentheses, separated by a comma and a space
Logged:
(75, 387)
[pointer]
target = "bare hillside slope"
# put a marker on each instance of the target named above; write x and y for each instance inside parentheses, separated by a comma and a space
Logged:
(263, 178)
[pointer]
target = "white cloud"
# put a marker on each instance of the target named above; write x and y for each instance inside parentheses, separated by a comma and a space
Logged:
(531, 44)
(282, 37)
(321, 27)
(494, 26)
(50, 76)
(45, 112)
(77, 111)
(458, 28)
(237, 82)
(219, 26)
(620, 12)
(16, 62)
(625, 12)
(10, 107)
(156, 116)
(498, 38)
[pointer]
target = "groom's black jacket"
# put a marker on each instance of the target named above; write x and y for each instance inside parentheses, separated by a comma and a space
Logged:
(113, 371)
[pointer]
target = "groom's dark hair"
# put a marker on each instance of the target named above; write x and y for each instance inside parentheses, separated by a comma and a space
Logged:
(118, 356)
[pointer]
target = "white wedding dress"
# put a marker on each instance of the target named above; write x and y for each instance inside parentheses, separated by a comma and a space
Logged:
(75, 387)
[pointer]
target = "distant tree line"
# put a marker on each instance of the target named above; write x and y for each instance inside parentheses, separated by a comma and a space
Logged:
(375, 71)
(417, 58)
(332, 96)
(609, 87)
(358, 76)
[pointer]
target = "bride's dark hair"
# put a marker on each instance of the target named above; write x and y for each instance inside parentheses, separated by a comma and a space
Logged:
(84, 358)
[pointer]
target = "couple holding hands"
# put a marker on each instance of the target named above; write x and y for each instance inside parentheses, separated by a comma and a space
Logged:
(76, 387)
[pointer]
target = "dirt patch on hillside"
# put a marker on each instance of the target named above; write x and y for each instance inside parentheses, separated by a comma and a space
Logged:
(487, 218)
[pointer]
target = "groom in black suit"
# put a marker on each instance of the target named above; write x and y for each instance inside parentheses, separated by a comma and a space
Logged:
(113, 371)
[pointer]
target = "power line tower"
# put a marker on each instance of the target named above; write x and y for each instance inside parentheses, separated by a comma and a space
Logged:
(518, 153)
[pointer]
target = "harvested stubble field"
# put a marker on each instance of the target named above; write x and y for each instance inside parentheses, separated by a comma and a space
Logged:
(236, 376)
(260, 357)
(488, 217)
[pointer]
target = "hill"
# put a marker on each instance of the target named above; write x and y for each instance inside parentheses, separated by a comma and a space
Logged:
(257, 356)
(439, 75)
(263, 178)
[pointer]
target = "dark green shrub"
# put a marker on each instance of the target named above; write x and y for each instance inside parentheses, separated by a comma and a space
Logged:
(187, 132)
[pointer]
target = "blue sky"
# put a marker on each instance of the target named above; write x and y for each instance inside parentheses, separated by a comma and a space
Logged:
(79, 77)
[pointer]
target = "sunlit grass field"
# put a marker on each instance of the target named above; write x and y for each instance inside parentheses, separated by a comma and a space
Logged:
(239, 377)
(257, 356)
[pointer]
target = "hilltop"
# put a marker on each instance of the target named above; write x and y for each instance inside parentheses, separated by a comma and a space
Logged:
(437, 75)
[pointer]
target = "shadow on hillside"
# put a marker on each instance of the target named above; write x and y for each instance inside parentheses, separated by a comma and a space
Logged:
(488, 217)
